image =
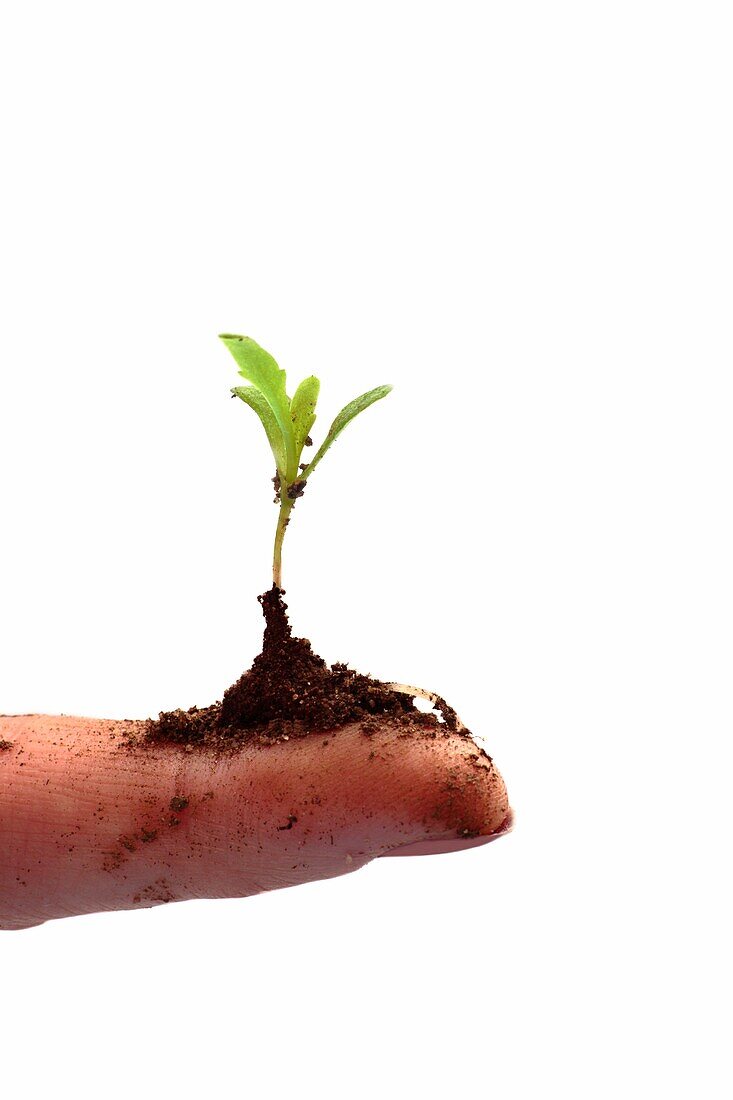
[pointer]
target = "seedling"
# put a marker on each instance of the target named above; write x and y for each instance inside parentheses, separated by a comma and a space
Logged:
(287, 422)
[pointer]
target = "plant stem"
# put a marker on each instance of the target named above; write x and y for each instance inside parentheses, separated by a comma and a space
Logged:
(286, 507)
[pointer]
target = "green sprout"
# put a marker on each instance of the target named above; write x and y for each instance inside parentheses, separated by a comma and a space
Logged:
(287, 422)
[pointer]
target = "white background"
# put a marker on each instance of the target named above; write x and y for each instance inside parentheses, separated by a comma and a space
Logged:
(520, 215)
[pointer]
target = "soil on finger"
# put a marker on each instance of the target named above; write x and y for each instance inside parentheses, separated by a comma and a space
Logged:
(290, 692)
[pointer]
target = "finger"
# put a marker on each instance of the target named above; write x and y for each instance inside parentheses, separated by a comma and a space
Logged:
(88, 823)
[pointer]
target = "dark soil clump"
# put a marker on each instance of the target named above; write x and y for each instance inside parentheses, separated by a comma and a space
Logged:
(290, 692)
(5, 746)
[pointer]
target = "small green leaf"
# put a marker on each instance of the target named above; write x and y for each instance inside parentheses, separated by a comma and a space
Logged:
(256, 400)
(303, 411)
(344, 417)
(258, 367)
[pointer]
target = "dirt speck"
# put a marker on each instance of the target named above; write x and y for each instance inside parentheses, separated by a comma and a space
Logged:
(296, 489)
(158, 892)
(112, 860)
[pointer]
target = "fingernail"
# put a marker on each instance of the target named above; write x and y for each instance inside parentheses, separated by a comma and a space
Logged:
(451, 844)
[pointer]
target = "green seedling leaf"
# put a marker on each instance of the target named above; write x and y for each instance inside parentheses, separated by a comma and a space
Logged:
(346, 415)
(303, 411)
(259, 368)
(256, 400)
(288, 425)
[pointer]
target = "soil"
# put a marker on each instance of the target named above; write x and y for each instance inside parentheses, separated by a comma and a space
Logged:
(290, 692)
(5, 746)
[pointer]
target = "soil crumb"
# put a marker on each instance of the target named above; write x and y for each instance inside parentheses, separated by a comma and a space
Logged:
(5, 746)
(290, 692)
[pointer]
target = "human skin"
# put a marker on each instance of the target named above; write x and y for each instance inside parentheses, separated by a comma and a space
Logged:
(90, 823)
